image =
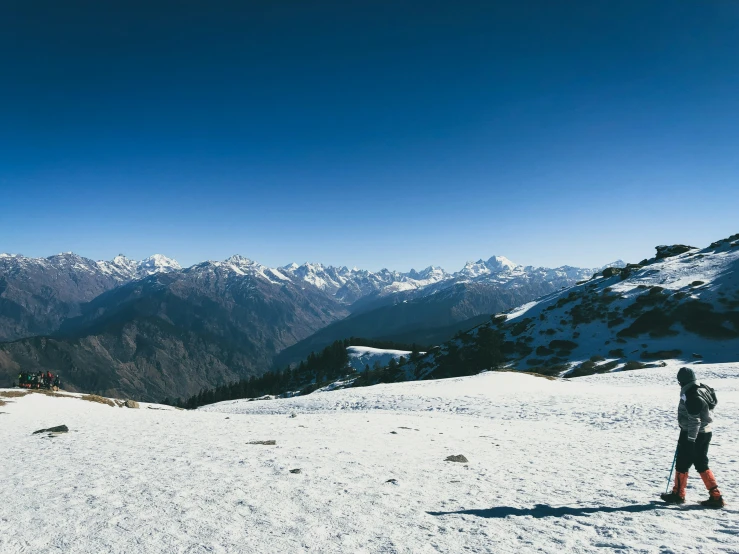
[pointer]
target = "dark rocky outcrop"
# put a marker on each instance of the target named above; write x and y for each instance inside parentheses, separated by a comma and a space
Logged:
(57, 429)
(456, 458)
(664, 251)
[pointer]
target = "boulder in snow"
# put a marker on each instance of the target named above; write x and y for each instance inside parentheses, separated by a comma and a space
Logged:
(57, 429)
(456, 458)
(131, 404)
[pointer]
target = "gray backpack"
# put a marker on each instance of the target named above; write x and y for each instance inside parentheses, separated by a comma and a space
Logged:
(708, 395)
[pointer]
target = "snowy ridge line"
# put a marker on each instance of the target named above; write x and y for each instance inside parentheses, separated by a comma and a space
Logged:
(120, 267)
(347, 284)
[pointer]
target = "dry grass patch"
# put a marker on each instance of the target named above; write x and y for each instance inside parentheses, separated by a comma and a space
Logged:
(51, 393)
(98, 399)
(13, 393)
(88, 397)
(2, 403)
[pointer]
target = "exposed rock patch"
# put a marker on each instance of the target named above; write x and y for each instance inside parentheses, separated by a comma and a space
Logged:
(457, 458)
(57, 429)
(673, 250)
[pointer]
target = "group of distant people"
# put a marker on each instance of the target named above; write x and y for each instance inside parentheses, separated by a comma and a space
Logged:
(41, 380)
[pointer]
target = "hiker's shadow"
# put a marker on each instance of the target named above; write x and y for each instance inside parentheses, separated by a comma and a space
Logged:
(542, 510)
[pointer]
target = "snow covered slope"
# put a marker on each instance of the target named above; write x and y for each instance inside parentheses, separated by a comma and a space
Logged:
(554, 466)
(361, 356)
(682, 304)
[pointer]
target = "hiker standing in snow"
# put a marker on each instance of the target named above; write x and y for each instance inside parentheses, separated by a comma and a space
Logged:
(694, 415)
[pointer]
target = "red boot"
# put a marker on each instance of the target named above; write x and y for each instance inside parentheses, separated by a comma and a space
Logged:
(715, 500)
(677, 496)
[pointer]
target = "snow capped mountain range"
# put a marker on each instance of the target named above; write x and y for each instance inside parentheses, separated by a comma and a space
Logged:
(120, 268)
(129, 270)
(346, 285)
(349, 285)
(496, 264)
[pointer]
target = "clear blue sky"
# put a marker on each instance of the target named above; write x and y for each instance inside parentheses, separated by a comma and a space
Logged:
(379, 134)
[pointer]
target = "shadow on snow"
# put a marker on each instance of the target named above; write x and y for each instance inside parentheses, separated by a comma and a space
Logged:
(542, 510)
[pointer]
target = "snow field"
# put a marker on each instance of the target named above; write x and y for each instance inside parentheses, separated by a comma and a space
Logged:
(361, 356)
(554, 466)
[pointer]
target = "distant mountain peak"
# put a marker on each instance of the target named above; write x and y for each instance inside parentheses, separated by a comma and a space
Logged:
(430, 271)
(501, 263)
(121, 258)
(494, 265)
(66, 255)
(238, 259)
(617, 263)
(158, 263)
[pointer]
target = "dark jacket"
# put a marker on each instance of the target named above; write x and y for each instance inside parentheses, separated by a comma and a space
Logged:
(693, 413)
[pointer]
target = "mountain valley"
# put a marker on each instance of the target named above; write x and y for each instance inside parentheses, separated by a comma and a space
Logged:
(153, 329)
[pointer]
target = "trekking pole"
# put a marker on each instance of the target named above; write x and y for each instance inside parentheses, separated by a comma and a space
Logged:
(674, 459)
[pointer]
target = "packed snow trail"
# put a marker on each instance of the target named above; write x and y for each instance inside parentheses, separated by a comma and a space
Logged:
(554, 466)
